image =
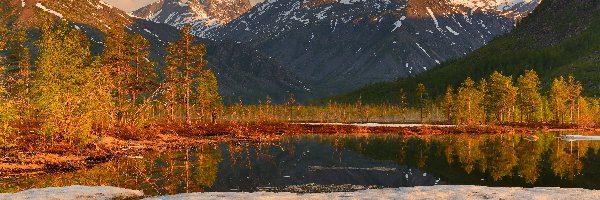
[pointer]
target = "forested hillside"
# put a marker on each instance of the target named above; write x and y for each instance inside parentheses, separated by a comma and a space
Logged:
(558, 39)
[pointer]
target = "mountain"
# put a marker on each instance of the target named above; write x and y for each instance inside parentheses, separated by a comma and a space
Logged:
(341, 45)
(243, 72)
(559, 38)
(202, 15)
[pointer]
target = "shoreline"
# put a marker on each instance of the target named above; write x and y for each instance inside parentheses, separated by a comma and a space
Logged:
(123, 142)
(421, 192)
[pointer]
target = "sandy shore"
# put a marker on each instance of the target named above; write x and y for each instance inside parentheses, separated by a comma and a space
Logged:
(430, 192)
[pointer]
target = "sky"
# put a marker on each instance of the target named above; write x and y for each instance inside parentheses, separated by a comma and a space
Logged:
(131, 5)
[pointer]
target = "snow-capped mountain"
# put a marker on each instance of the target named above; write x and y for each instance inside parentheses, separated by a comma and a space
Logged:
(339, 45)
(242, 72)
(202, 15)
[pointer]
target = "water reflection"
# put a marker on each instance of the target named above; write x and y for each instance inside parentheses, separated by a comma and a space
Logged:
(381, 160)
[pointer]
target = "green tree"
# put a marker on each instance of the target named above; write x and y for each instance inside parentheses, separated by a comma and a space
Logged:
(68, 91)
(207, 92)
(584, 112)
(117, 58)
(559, 95)
(575, 90)
(402, 104)
(500, 97)
(529, 99)
(143, 77)
(18, 70)
(449, 103)
(468, 103)
(422, 97)
(188, 60)
(7, 113)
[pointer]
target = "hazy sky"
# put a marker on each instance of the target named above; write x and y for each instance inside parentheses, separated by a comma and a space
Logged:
(131, 5)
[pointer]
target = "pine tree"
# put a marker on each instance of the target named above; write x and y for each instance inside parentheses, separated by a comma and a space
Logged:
(422, 98)
(559, 95)
(448, 103)
(483, 89)
(7, 111)
(500, 97)
(187, 58)
(584, 112)
(143, 77)
(18, 70)
(529, 98)
(208, 98)
(468, 104)
(117, 58)
(574, 93)
(402, 103)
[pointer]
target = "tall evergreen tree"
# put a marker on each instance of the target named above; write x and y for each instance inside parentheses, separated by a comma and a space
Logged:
(7, 113)
(402, 103)
(422, 98)
(448, 103)
(187, 58)
(559, 95)
(575, 90)
(468, 104)
(529, 98)
(143, 77)
(117, 58)
(18, 70)
(208, 98)
(500, 97)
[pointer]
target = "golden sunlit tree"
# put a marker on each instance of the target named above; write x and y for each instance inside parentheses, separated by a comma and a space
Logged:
(69, 92)
(559, 96)
(529, 98)
(185, 61)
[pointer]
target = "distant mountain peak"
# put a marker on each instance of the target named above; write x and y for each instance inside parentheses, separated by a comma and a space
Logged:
(202, 15)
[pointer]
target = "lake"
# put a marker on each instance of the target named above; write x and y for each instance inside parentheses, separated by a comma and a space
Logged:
(344, 162)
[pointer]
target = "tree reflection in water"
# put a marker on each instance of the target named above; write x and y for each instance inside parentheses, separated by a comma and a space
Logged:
(190, 169)
(491, 160)
(506, 160)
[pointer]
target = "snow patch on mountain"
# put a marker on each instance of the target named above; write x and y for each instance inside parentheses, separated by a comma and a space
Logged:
(500, 5)
(39, 5)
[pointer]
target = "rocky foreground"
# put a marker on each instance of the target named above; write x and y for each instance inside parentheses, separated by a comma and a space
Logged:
(432, 192)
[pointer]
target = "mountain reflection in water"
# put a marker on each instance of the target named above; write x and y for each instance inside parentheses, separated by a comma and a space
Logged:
(373, 160)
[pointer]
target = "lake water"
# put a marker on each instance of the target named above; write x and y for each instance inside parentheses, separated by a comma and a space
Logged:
(357, 160)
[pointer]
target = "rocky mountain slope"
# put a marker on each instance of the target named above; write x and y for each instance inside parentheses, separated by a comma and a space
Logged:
(340, 45)
(559, 38)
(243, 72)
(202, 15)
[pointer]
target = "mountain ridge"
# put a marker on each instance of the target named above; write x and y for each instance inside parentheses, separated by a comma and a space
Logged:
(243, 73)
(558, 39)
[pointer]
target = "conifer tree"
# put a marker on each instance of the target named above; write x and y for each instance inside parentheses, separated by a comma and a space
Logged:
(208, 98)
(529, 98)
(117, 58)
(574, 93)
(484, 110)
(7, 113)
(468, 103)
(143, 77)
(188, 59)
(584, 112)
(448, 103)
(500, 97)
(422, 98)
(18, 70)
(402, 103)
(559, 95)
